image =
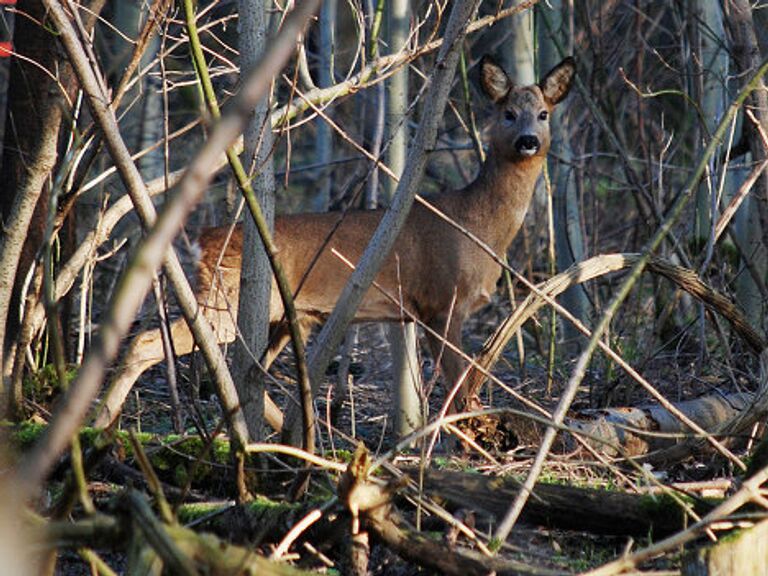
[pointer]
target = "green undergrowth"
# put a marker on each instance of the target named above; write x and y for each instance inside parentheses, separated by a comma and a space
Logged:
(178, 460)
(43, 386)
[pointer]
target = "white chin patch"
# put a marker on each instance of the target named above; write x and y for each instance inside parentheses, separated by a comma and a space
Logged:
(528, 151)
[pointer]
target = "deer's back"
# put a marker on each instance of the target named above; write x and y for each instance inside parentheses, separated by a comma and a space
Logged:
(429, 261)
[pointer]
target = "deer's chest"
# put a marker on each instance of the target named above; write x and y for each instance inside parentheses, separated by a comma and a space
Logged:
(480, 282)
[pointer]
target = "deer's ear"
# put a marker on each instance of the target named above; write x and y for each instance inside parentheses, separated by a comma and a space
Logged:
(495, 82)
(558, 81)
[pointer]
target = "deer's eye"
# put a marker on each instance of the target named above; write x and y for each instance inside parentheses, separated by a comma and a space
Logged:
(543, 115)
(510, 116)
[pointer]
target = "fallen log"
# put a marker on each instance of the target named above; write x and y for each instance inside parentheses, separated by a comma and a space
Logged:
(418, 548)
(567, 507)
(629, 431)
(370, 504)
(624, 431)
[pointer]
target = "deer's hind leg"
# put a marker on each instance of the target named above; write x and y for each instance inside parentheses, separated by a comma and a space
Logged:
(280, 335)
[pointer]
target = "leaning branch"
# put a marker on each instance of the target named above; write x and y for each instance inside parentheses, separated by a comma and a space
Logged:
(394, 218)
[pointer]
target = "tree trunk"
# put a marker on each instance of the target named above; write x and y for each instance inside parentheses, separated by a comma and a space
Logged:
(152, 129)
(36, 104)
(402, 337)
(324, 136)
(740, 27)
(569, 238)
(517, 56)
(747, 225)
(745, 554)
(256, 273)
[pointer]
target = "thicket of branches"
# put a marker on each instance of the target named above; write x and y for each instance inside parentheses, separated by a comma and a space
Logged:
(123, 137)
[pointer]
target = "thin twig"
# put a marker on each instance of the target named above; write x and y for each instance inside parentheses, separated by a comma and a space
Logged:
(297, 530)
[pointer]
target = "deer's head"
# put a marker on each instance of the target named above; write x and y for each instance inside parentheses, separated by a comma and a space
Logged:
(521, 127)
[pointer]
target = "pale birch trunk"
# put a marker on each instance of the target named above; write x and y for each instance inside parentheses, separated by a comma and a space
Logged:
(324, 137)
(402, 336)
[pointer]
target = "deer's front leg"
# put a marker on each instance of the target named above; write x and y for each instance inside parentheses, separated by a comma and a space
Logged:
(445, 347)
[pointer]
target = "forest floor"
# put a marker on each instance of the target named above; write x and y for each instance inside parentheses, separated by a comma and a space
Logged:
(367, 415)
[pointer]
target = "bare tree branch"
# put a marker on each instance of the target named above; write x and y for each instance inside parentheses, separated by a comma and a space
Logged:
(136, 282)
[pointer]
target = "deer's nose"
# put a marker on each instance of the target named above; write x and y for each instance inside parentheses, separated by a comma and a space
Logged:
(527, 145)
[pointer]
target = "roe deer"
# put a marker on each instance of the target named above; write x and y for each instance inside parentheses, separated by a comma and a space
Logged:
(441, 275)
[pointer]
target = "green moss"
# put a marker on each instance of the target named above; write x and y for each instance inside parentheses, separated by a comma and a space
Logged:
(172, 457)
(25, 434)
(455, 463)
(652, 502)
(43, 386)
(666, 509)
(263, 503)
(344, 456)
(220, 450)
(729, 252)
(441, 462)
(731, 536)
(586, 557)
(590, 484)
(259, 506)
(191, 512)
(181, 475)
(179, 460)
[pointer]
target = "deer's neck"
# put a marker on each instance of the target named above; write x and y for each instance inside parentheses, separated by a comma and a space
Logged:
(500, 195)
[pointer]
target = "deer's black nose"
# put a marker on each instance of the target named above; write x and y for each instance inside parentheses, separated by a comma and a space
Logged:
(527, 145)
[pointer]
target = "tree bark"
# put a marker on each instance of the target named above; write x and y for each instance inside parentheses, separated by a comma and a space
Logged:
(566, 507)
(41, 87)
(745, 554)
(325, 78)
(569, 238)
(746, 54)
(256, 272)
